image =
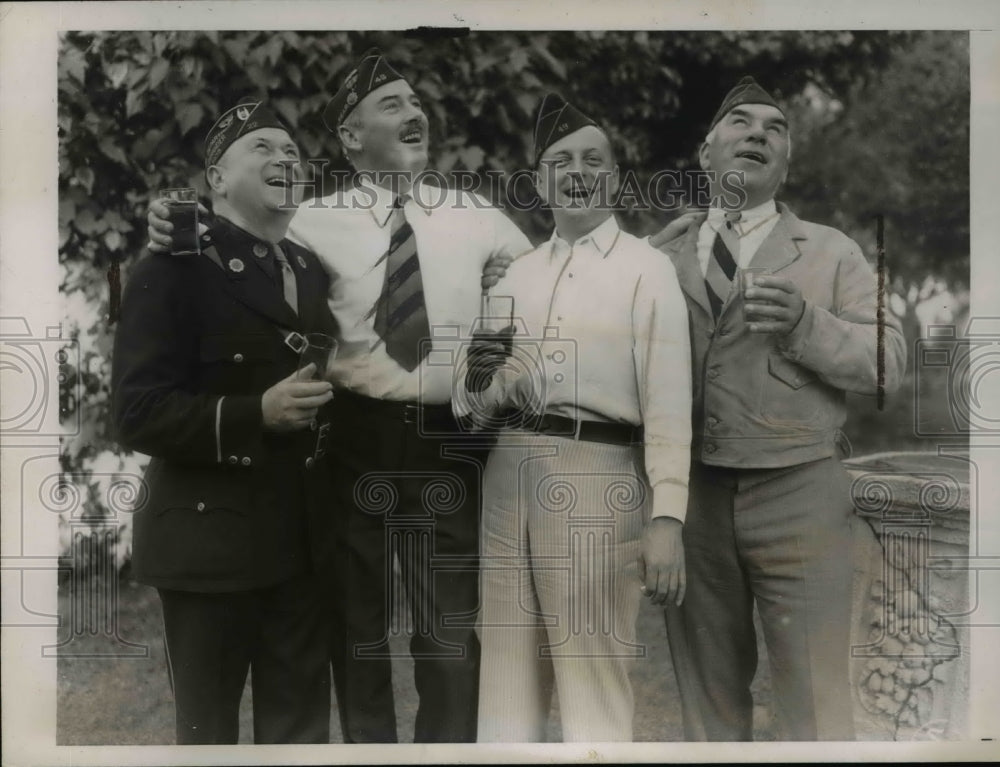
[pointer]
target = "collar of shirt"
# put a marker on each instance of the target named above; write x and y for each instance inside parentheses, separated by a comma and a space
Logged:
(753, 227)
(600, 240)
(422, 196)
(751, 217)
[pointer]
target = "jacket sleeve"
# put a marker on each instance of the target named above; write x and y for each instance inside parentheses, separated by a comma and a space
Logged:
(157, 408)
(840, 344)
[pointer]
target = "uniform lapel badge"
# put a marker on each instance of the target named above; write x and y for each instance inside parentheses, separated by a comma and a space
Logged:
(235, 265)
(302, 261)
(259, 250)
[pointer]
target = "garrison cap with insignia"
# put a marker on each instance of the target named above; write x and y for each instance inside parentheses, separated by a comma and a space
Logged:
(556, 118)
(747, 91)
(373, 71)
(236, 122)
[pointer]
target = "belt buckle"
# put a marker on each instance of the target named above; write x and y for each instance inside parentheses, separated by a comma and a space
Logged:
(296, 342)
(411, 413)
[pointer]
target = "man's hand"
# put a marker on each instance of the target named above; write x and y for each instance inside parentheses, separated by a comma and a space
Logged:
(495, 269)
(487, 352)
(773, 305)
(159, 229)
(291, 404)
(679, 226)
(661, 561)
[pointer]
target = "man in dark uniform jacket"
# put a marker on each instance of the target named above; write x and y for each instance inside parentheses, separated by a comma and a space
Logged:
(234, 531)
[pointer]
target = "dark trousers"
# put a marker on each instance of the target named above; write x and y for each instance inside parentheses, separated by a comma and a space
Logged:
(779, 538)
(411, 498)
(279, 633)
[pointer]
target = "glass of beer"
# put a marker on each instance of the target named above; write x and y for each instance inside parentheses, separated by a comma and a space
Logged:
(492, 339)
(320, 350)
(183, 207)
(747, 279)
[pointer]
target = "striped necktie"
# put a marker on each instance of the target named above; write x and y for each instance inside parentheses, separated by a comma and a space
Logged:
(722, 264)
(400, 312)
(290, 287)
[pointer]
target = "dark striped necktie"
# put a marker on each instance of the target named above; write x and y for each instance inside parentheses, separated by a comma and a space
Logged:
(722, 265)
(400, 312)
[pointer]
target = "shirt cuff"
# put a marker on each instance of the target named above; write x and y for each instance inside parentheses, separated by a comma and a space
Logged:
(670, 500)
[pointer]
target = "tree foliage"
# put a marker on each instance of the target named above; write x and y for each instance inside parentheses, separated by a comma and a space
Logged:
(877, 115)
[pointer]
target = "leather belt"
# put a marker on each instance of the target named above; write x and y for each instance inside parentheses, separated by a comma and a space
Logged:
(589, 431)
(399, 410)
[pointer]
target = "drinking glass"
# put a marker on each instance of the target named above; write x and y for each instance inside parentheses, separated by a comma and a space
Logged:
(321, 350)
(183, 207)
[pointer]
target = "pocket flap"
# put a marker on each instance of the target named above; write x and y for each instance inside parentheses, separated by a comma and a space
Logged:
(789, 372)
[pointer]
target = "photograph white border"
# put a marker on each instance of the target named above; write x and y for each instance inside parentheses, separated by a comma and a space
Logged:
(30, 274)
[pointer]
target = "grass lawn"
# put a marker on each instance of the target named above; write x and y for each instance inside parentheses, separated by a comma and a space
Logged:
(120, 700)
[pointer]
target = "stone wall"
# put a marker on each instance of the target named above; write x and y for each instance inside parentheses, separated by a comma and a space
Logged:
(910, 664)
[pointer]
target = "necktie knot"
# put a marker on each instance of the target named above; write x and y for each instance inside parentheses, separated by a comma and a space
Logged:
(732, 217)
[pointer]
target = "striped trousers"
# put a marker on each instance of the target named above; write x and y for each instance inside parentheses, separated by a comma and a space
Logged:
(562, 526)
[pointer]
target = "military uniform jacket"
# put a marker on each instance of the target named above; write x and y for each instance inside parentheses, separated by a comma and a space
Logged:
(226, 505)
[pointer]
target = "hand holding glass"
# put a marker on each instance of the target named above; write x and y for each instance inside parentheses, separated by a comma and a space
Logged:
(183, 207)
(320, 350)
(492, 341)
(746, 278)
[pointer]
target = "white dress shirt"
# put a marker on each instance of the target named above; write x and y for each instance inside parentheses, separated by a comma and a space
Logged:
(603, 335)
(752, 229)
(456, 234)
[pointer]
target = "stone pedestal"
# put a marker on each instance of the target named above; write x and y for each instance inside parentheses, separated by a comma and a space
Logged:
(910, 665)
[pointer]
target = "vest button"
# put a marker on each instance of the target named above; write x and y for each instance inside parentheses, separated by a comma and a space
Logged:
(245, 461)
(200, 506)
(233, 460)
(237, 357)
(712, 422)
(309, 462)
(710, 448)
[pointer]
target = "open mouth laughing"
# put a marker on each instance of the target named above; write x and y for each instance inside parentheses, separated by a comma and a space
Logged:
(750, 154)
(279, 182)
(578, 194)
(412, 134)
